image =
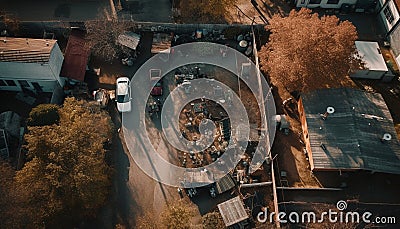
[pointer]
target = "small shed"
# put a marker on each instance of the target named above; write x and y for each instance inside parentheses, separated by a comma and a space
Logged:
(375, 65)
(129, 39)
(76, 57)
(232, 211)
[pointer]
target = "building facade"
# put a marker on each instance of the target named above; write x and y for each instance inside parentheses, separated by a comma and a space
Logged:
(390, 17)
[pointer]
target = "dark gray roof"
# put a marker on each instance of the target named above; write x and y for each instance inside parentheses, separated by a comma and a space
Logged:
(352, 135)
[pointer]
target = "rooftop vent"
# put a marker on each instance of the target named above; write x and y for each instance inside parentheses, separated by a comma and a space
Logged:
(329, 110)
(386, 137)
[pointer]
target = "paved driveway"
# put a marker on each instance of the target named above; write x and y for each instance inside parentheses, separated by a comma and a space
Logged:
(147, 10)
(53, 10)
(66, 10)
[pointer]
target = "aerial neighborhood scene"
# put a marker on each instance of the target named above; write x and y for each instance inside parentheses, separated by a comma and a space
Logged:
(208, 114)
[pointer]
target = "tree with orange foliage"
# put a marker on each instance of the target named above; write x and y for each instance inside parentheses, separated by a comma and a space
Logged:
(307, 52)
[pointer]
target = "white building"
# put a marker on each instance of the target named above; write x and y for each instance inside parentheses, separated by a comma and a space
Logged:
(33, 64)
(375, 65)
(390, 18)
(327, 4)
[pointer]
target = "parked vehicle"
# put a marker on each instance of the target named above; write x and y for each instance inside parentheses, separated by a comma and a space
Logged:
(155, 78)
(187, 86)
(153, 106)
(123, 94)
(101, 97)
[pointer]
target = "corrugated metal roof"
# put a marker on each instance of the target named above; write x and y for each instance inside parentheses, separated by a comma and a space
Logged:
(224, 184)
(129, 39)
(76, 56)
(25, 50)
(232, 211)
(351, 137)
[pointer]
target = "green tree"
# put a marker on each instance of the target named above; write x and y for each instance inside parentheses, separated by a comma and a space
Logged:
(43, 114)
(66, 177)
(205, 11)
(7, 201)
(307, 52)
(213, 220)
(177, 216)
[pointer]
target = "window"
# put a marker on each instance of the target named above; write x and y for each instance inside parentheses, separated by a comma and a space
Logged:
(37, 87)
(388, 14)
(333, 1)
(23, 83)
(2, 83)
(314, 2)
(10, 83)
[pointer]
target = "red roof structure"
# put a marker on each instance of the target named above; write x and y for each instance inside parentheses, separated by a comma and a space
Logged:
(76, 57)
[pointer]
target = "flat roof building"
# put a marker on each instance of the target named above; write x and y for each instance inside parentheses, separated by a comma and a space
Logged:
(32, 64)
(348, 129)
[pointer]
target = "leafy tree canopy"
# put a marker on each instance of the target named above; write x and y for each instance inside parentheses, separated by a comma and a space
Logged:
(177, 216)
(213, 220)
(205, 11)
(307, 52)
(43, 114)
(66, 177)
(102, 35)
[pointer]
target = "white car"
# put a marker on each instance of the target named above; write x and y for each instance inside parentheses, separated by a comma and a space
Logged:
(123, 94)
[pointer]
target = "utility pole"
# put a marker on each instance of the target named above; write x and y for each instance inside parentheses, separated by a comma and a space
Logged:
(113, 11)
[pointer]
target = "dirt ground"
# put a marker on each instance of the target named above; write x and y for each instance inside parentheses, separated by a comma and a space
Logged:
(244, 12)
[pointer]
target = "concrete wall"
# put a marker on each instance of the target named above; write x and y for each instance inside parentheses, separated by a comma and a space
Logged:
(304, 127)
(368, 74)
(55, 63)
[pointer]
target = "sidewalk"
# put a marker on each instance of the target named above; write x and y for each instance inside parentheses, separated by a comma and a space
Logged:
(367, 25)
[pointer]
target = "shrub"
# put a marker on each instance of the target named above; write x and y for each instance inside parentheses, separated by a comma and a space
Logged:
(43, 115)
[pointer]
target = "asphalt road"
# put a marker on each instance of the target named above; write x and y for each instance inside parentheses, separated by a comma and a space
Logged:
(68, 10)
(53, 10)
(147, 10)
